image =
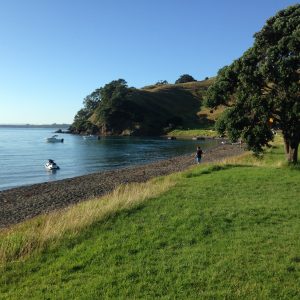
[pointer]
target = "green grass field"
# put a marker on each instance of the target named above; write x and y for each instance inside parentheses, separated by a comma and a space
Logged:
(226, 231)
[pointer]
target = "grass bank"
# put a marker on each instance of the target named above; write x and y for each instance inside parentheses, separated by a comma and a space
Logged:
(33, 236)
(223, 231)
(193, 133)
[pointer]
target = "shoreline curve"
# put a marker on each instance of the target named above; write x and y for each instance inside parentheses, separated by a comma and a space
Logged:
(21, 203)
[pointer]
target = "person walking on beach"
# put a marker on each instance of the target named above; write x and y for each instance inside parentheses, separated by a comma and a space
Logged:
(198, 155)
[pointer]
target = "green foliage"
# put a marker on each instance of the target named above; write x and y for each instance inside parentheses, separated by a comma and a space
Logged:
(224, 231)
(222, 122)
(116, 109)
(263, 86)
(219, 93)
(111, 113)
(185, 78)
(81, 121)
(91, 101)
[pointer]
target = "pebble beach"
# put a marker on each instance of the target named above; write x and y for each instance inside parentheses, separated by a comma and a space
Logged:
(19, 204)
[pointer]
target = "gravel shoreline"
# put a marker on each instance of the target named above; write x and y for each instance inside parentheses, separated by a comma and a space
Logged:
(19, 204)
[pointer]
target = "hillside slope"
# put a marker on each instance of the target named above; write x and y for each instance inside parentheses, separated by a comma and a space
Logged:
(152, 110)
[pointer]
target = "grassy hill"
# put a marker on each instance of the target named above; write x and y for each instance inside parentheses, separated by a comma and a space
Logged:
(153, 110)
(222, 231)
(203, 119)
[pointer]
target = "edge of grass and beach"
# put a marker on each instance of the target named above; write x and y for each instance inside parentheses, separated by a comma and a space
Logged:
(188, 133)
(219, 230)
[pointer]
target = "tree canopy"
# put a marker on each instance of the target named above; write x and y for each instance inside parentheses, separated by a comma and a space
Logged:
(261, 88)
(185, 78)
(81, 121)
(91, 101)
(108, 102)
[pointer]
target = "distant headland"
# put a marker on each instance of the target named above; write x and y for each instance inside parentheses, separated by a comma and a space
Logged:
(54, 125)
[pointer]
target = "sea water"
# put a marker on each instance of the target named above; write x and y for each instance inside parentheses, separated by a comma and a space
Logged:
(24, 151)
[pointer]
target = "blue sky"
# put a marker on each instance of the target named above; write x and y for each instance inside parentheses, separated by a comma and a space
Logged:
(55, 52)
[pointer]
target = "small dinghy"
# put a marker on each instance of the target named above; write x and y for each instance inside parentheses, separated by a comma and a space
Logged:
(51, 165)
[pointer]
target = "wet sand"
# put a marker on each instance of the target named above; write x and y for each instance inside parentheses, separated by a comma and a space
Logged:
(19, 204)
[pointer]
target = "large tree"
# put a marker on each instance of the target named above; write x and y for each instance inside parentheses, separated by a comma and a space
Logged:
(112, 112)
(262, 88)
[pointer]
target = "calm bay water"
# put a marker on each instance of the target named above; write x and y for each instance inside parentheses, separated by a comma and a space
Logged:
(24, 151)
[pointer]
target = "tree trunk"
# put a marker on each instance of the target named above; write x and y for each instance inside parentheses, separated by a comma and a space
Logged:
(286, 147)
(291, 150)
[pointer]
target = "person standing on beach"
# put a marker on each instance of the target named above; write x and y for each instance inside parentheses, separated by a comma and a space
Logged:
(198, 155)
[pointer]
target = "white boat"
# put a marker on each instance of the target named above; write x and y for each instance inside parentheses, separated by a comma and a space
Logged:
(91, 137)
(51, 165)
(54, 139)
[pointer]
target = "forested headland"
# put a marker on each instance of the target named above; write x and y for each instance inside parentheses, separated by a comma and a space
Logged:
(116, 109)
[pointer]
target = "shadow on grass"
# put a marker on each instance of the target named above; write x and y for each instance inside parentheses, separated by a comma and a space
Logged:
(214, 168)
(293, 166)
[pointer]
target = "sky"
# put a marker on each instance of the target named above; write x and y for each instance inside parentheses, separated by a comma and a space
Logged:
(53, 53)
